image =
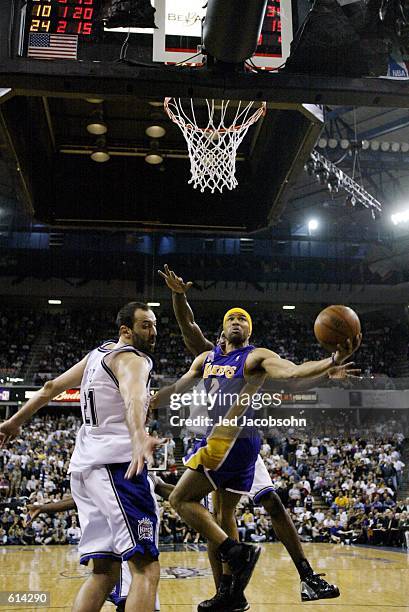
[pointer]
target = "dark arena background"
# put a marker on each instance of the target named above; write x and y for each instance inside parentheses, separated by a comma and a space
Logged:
(95, 199)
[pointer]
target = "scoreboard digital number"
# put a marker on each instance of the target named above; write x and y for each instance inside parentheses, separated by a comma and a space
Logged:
(61, 17)
(270, 40)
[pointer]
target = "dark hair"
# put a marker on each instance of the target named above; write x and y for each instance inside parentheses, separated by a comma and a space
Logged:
(126, 316)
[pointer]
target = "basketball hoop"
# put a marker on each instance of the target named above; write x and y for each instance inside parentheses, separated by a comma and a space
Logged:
(212, 149)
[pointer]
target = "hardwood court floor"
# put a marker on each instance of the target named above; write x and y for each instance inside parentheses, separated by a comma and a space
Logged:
(370, 579)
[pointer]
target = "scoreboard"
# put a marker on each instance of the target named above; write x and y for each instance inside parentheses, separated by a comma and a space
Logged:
(179, 32)
(61, 16)
(56, 29)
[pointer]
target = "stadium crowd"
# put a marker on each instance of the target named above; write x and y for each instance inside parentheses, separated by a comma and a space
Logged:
(70, 335)
(17, 334)
(337, 488)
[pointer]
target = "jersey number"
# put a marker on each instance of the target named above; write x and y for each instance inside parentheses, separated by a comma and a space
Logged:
(90, 409)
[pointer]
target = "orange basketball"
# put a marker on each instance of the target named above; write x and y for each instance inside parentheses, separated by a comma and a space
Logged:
(334, 325)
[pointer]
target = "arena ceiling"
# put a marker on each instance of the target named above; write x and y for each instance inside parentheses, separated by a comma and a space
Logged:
(50, 150)
(55, 177)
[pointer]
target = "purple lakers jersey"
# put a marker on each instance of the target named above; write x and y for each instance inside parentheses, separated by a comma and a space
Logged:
(229, 451)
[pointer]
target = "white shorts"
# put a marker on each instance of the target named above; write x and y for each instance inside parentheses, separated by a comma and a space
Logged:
(118, 517)
(262, 482)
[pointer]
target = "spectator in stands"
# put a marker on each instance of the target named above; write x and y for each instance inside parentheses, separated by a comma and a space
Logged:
(4, 486)
(73, 533)
(249, 523)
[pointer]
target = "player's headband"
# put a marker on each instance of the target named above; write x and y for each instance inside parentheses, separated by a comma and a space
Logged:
(242, 312)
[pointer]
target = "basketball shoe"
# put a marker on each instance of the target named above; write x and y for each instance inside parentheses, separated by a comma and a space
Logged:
(225, 599)
(242, 559)
(314, 587)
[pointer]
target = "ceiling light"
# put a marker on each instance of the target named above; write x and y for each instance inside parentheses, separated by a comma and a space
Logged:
(344, 144)
(385, 146)
(395, 146)
(155, 103)
(100, 153)
(365, 145)
(400, 217)
(322, 143)
(375, 144)
(404, 147)
(54, 302)
(332, 143)
(96, 124)
(152, 304)
(154, 157)
(94, 100)
(289, 307)
(313, 224)
(155, 131)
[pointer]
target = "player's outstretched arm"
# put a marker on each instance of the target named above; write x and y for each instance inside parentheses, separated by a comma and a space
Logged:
(282, 369)
(193, 337)
(185, 383)
(346, 371)
(132, 373)
(71, 378)
(51, 508)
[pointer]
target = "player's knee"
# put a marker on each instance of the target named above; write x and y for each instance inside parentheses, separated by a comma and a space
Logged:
(148, 567)
(106, 568)
(272, 503)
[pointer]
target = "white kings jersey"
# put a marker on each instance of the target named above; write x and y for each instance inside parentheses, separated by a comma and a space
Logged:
(104, 436)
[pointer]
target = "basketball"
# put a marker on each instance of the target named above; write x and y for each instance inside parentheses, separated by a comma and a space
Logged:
(334, 325)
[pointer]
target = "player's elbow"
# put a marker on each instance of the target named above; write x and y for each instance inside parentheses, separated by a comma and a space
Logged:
(49, 389)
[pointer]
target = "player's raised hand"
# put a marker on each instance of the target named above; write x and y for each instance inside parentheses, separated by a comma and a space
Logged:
(344, 372)
(174, 282)
(142, 451)
(345, 350)
(8, 431)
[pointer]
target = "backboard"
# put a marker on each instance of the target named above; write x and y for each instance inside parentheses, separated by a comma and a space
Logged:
(179, 32)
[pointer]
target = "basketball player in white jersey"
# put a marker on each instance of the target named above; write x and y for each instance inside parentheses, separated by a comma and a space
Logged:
(116, 506)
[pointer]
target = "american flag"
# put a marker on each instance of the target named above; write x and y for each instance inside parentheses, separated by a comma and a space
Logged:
(52, 46)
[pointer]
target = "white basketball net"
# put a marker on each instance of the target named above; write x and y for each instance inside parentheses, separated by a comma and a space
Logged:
(212, 148)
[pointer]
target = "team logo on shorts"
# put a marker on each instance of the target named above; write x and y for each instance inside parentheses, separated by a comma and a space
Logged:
(145, 529)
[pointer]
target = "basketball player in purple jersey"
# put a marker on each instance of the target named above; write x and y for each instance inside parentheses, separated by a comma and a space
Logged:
(262, 492)
(225, 459)
(109, 483)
